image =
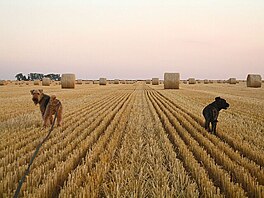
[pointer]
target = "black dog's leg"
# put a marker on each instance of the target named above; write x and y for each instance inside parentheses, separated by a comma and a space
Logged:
(206, 125)
(214, 127)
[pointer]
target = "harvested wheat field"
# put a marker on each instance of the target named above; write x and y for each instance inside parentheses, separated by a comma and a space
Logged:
(134, 140)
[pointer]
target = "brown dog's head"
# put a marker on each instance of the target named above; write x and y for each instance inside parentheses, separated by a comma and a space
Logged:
(36, 95)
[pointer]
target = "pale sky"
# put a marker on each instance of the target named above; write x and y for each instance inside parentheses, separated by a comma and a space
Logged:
(132, 39)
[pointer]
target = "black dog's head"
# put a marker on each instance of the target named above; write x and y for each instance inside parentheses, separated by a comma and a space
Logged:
(221, 103)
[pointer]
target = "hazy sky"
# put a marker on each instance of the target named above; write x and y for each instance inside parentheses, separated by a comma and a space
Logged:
(132, 39)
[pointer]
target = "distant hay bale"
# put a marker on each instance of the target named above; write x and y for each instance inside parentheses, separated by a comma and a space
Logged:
(68, 81)
(79, 82)
(185, 82)
(46, 81)
(102, 81)
(206, 81)
(36, 82)
(148, 81)
(254, 80)
(171, 80)
(2, 82)
(155, 81)
(220, 81)
(116, 81)
(192, 81)
(232, 81)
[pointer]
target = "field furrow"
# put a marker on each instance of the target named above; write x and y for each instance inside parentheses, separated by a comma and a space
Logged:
(22, 146)
(198, 172)
(245, 149)
(237, 172)
(203, 136)
(63, 143)
(141, 167)
(133, 140)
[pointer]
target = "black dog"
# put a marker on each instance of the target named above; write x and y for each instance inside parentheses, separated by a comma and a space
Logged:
(211, 111)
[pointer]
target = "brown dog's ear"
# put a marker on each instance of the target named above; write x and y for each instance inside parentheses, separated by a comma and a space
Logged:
(217, 98)
(41, 91)
(31, 91)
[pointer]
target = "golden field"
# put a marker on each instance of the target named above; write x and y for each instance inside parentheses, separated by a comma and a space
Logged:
(134, 140)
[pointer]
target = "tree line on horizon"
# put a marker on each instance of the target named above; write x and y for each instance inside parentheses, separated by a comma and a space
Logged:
(37, 76)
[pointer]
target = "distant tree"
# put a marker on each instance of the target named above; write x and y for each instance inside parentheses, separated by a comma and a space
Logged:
(20, 77)
(35, 76)
(55, 77)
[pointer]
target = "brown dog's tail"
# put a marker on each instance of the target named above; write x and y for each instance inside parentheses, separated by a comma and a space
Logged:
(52, 97)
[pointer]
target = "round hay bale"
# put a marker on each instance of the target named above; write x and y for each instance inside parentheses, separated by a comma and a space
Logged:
(36, 82)
(232, 81)
(254, 80)
(148, 81)
(116, 81)
(46, 81)
(68, 81)
(192, 81)
(2, 82)
(79, 82)
(102, 81)
(206, 81)
(185, 82)
(171, 80)
(155, 81)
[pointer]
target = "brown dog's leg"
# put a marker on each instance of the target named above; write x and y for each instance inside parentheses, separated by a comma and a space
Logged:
(46, 121)
(59, 116)
(51, 119)
(46, 117)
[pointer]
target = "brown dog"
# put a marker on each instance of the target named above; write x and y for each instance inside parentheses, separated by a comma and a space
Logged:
(48, 106)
